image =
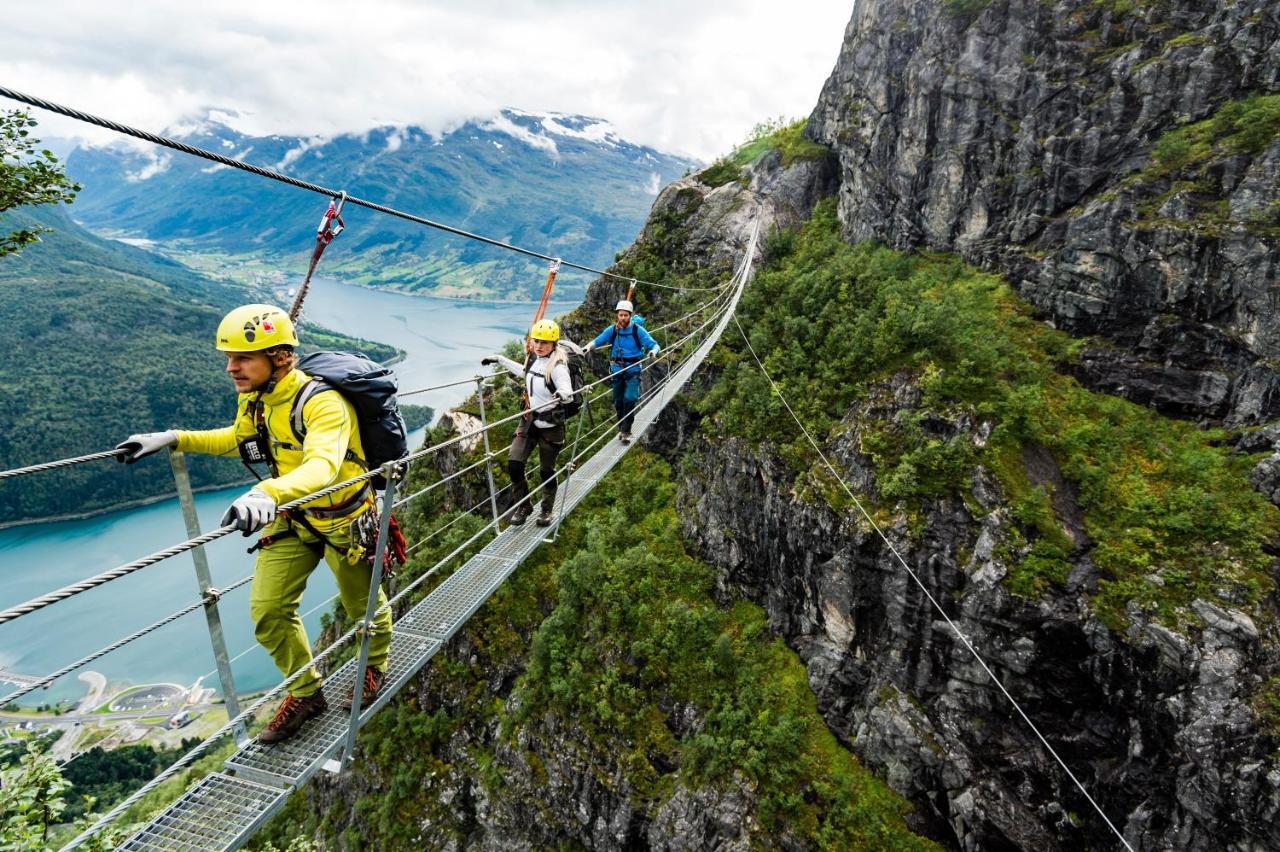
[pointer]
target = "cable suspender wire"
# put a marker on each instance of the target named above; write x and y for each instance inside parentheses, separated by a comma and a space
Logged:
(932, 600)
(272, 174)
(324, 235)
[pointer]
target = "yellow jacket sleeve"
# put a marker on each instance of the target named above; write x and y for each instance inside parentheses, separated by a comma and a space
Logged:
(330, 423)
(219, 442)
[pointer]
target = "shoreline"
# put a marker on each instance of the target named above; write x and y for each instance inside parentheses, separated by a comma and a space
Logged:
(137, 503)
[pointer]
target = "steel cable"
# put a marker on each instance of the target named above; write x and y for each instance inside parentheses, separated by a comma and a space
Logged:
(54, 465)
(85, 585)
(118, 644)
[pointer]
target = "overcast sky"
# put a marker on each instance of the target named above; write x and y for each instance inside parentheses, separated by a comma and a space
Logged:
(687, 77)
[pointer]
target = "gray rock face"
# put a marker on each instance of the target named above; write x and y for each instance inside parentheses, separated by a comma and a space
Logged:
(1156, 724)
(1014, 136)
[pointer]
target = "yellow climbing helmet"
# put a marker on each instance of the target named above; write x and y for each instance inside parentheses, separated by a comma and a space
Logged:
(252, 328)
(545, 330)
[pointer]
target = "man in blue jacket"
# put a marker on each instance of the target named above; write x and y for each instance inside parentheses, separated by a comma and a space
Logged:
(629, 344)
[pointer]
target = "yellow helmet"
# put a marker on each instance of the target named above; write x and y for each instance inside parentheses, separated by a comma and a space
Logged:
(545, 330)
(252, 328)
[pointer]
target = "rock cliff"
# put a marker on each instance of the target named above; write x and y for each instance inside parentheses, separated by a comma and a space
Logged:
(1021, 133)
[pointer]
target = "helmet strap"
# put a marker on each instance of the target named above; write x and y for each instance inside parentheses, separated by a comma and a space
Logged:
(278, 372)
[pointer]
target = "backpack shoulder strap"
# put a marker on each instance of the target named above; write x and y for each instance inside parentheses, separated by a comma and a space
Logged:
(557, 358)
(300, 400)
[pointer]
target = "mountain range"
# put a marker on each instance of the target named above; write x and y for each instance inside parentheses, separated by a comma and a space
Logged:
(564, 185)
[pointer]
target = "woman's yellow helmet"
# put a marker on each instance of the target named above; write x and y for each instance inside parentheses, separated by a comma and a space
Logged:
(545, 330)
(252, 328)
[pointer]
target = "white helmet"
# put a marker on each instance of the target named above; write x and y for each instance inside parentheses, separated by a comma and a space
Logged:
(625, 305)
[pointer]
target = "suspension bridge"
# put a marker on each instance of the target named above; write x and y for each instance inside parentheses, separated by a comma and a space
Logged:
(226, 807)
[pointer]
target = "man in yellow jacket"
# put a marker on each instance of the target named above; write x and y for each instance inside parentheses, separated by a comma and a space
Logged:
(259, 342)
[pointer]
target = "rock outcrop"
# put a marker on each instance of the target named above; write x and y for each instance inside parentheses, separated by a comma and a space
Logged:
(1016, 133)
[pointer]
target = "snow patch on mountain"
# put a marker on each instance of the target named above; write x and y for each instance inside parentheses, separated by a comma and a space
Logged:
(156, 162)
(304, 145)
(501, 123)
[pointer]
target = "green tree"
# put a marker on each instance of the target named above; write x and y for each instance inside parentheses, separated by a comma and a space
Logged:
(27, 176)
(32, 802)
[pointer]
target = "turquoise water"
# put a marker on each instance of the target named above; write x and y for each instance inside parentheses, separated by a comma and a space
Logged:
(444, 339)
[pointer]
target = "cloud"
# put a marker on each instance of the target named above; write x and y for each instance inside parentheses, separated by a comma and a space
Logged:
(685, 78)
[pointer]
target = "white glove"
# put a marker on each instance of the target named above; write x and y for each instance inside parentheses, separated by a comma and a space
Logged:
(653, 353)
(250, 512)
(142, 445)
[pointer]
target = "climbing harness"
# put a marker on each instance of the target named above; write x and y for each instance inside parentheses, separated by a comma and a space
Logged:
(364, 543)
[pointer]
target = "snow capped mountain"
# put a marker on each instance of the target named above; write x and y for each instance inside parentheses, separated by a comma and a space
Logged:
(567, 185)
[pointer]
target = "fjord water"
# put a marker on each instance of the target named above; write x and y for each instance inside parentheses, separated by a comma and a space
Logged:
(444, 340)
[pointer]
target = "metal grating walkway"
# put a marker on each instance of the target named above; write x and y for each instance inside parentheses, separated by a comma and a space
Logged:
(223, 811)
(290, 763)
(220, 812)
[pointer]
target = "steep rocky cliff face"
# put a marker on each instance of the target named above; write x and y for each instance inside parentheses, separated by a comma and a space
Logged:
(1020, 134)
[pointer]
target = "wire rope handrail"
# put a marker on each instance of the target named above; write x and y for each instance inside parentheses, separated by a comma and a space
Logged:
(245, 715)
(111, 454)
(60, 463)
(117, 645)
(459, 383)
(73, 589)
(394, 470)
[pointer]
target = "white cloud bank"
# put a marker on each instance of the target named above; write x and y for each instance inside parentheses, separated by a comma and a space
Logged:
(689, 78)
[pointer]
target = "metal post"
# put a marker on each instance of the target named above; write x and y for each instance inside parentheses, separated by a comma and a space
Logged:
(569, 469)
(187, 499)
(488, 456)
(392, 472)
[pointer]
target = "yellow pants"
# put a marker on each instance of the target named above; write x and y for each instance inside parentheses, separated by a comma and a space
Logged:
(279, 579)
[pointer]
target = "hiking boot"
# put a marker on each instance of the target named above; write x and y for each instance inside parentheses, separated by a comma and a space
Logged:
(625, 437)
(520, 514)
(292, 714)
(544, 517)
(373, 681)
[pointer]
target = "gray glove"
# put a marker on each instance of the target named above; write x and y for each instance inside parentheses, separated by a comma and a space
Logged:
(142, 445)
(250, 512)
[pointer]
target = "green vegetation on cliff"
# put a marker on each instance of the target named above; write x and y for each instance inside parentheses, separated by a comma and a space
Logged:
(1184, 162)
(1167, 510)
(785, 137)
(619, 625)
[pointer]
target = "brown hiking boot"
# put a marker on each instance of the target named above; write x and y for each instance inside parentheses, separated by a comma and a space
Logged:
(544, 519)
(520, 514)
(292, 714)
(373, 681)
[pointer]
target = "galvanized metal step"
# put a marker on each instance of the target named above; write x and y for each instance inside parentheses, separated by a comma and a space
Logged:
(450, 604)
(289, 764)
(221, 812)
